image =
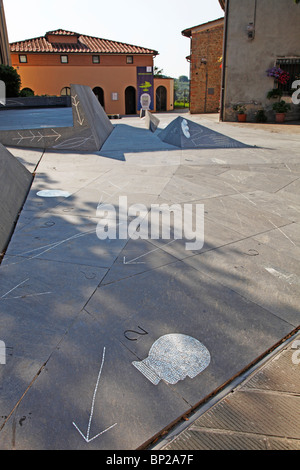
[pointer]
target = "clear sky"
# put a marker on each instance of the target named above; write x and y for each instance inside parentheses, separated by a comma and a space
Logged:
(156, 24)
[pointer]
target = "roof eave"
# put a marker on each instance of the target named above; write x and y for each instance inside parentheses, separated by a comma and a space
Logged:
(210, 24)
(24, 51)
(222, 4)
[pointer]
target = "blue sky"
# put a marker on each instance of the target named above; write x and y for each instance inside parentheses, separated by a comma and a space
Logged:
(156, 24)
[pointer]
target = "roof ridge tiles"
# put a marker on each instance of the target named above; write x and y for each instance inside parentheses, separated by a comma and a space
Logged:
(86, 43)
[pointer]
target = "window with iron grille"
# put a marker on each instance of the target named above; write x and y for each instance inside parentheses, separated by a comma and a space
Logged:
(292, 66)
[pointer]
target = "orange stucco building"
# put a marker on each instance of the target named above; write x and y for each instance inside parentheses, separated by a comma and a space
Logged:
(49, 64)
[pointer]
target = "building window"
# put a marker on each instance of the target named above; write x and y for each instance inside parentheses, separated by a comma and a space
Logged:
(96, 59)
(64, 59)
(23, 59)
(292, 66)
(66, 91)
(129, 59)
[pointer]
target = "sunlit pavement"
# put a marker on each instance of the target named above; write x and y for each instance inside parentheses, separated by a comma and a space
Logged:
(85, 320)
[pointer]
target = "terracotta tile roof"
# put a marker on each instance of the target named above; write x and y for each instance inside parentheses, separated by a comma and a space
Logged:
(85, 44)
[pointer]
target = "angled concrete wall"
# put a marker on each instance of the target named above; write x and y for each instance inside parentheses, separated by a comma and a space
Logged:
(15, 181)
(91, 127)
(151, 121)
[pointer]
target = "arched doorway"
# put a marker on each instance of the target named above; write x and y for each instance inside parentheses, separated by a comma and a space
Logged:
(26, 92)
(130, 100)
(161, 98)
(66, 91)
(100, 94)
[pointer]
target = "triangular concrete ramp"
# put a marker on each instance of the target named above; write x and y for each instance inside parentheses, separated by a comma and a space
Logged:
(92, 116)
(184, 133)
(15, 182)
(151, 121)
(91, 127)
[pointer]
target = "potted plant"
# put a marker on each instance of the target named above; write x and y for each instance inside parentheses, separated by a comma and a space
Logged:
(240, 109)
(275, 93)
(281, 108)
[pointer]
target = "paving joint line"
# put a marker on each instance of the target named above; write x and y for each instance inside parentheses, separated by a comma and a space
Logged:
(177, 260)
(287, 185)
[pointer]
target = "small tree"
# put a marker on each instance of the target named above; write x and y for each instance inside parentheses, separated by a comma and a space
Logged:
(158, 73)
(12, 80)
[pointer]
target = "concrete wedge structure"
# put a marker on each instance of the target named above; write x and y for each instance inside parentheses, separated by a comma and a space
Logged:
(15, 181)
(91, 127)
(184, 133)
(152, 122)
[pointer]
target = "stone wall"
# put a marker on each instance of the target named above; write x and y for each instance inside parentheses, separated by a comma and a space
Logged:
(207, 49)
(37, 102)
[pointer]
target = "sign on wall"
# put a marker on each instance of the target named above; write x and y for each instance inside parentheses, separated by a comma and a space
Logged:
(145, 86)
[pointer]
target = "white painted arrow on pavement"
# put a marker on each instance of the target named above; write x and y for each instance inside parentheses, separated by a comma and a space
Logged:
(87, 437)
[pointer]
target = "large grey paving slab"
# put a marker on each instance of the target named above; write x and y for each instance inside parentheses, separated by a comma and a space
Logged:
(68, 239)
(178, 299)
(272, 181)
(214, 236)
(73, 192)
(94, 378)
(39, 302)
(99, 302)
(285, 240)
(86, 163)
(116, 187)
(243, 215)
(30, 158)
(194, 182)
(257, 272)
(136, 257)
(222, 157)
(278, 204)
(290, 189)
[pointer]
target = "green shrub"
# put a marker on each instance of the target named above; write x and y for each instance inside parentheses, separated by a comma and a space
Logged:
(281, 107)
(12, 80)
(26, 92)
(261, 116)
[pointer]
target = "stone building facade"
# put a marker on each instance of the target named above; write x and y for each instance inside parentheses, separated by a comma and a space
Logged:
(259, 35)
(205, 66)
